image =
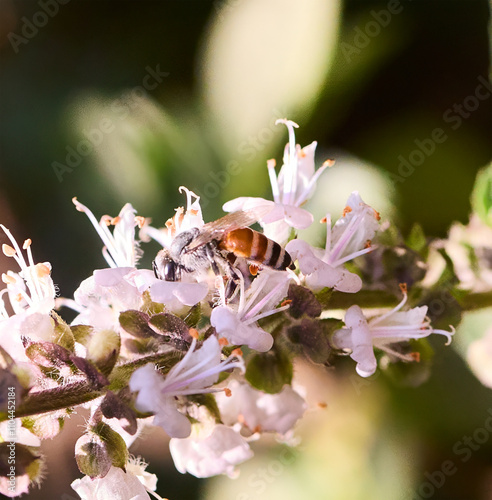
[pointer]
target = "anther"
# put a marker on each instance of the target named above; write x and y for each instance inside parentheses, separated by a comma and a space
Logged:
(346, 211)
(27, 244)
(8, 280)
(194, 333)
(227, 392)
(403, 287)
(8, 250)
(328, 163)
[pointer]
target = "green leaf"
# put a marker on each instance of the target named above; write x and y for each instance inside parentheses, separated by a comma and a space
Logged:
(481, 198)
(63, 333)
(209, 402)
(416, 240)
(82, 333)
(193, 316)
(311, 336)
(303, 302)
(270, 371)
(149, 307)
(136, 323)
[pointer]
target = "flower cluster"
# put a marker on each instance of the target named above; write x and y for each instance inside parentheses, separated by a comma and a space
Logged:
(202, 346)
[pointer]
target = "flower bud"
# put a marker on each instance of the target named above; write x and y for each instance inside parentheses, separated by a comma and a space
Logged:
(99, 449)
(103, 349)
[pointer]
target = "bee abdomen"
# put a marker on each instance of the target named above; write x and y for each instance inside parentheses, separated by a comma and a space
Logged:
(256, 247)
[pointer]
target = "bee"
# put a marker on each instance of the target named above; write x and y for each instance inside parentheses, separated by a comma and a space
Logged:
(217, 245)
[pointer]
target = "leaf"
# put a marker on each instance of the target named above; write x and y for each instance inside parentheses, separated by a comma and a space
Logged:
(82, 333)
(193, 316)
(136, 323)
(63, 333)
(113, 406)
(209, 402)
(311, 336)
(416, 240)
(481, 198)
(303, 302)
(172, 329)
(270, 371)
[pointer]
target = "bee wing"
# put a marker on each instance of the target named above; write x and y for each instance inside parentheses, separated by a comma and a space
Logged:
(235, 220)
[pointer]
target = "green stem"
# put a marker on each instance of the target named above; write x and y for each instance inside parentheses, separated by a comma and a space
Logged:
(78, 393)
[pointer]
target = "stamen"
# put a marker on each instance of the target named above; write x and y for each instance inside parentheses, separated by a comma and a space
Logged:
(329, 163)
(115, 220)
(223, 342)
(27, 244)
(194, 333)
(227, 392)
(374, 321)
(273, 180)
(346, 211)
(253, 269)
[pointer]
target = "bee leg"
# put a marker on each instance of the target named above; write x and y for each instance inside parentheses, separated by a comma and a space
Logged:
(213, 262)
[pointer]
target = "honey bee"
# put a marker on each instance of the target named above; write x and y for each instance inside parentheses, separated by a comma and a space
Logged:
(217, 245)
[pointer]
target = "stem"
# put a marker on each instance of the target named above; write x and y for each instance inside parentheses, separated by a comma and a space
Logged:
(78, 393)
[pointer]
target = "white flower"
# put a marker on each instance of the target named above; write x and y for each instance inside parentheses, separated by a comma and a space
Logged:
(350, 237)
(120, 248)
(238, 322)
(361, 335)
(294, 185)
(470, 248)
(183, 220)
(208, 454)
(194, 374)
(259, 411)
(31, 293)
(134, 484)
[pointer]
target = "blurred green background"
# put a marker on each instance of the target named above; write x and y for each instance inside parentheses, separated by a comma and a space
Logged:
(186, 93)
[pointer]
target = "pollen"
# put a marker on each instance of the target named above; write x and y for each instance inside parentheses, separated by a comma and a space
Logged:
(286, 303)
(253, 269)
(192, 211)
(42, 270)
(223, 341)
(8, 250)
(227, 392)
(141, 221)
(328, 163)
(368, 244)
(106, 219)
(115, 220)
(78, 206)
(322, 405)
(415, 356)
(271, 163)
(403, 287)
(346, 211)
(27, 244)
(324, 220)
(8, 280)
(377, 215)
(237, 352)
(194, 333)
(18, 297)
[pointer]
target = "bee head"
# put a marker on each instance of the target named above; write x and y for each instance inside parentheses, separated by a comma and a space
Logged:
(165, 268)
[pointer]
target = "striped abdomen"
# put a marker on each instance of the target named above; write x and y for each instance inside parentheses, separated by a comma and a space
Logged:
(256, 247)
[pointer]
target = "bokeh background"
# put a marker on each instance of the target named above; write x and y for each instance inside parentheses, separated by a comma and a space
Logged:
(116, 101)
